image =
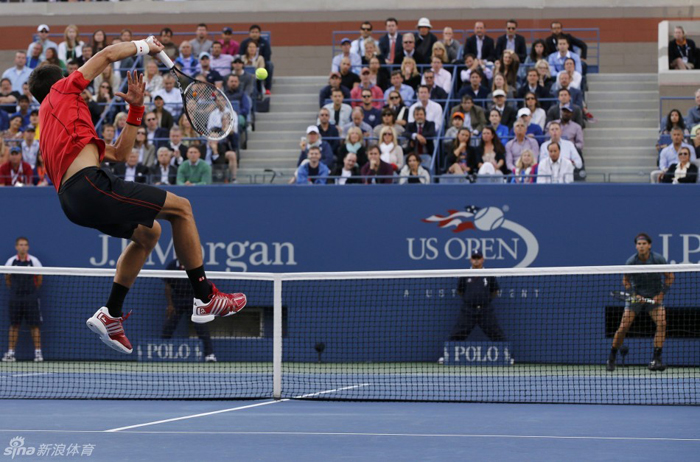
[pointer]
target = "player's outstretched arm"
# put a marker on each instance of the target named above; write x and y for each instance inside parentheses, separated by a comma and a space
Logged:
(134, 98)
(114, 53)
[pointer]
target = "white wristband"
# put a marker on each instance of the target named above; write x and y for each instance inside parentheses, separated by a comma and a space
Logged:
(142, 47)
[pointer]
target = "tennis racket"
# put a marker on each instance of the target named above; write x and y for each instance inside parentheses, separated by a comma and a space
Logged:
(628, 297)
(207, 108)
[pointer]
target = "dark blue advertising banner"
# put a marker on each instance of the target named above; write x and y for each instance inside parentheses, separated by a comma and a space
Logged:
(409, 227)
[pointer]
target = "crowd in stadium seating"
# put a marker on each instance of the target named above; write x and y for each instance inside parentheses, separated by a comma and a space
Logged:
(511, 100)
(164, 150)
(400, 92)
(676, 135)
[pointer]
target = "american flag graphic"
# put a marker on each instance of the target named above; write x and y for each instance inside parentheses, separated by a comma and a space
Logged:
(461, 221)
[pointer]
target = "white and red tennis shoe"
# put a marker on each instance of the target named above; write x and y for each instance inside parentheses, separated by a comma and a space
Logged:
(110, 330)
(219, 304)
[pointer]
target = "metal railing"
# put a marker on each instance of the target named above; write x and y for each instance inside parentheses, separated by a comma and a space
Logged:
(59, 35)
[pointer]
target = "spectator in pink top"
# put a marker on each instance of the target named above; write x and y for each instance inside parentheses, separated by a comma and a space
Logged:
(228, 45)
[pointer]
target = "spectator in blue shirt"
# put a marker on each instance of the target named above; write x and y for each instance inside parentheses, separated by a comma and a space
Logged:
(355, 59)
(187, 63)
(669, 155)
(693, 118)
(333, 84)
(23, 103)
(407, 93)
(557, 59)
(19, 73)
(313, 168)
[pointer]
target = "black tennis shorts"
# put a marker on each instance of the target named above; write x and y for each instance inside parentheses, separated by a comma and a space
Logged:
(95, 198)
(27, 309)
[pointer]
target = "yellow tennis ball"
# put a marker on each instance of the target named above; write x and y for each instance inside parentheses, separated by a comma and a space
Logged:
(261, 73)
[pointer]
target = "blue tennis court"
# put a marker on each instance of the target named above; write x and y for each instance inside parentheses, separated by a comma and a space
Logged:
(289, 430)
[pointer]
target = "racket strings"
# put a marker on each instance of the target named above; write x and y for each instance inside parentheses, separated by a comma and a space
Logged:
(209, 110)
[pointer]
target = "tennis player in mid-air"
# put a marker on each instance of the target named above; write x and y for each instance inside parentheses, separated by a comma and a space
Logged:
(93, 197)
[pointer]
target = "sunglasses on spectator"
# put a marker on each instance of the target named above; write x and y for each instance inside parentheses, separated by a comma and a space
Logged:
(140, 133)
(683, 153)
(388, 134)
(365, 28)
(394, 97)
(510, 28)
(366, 96)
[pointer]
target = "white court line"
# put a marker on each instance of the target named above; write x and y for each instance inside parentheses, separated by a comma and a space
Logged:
(31, 374)
(309, 395)
(231, 409)
(190, 416)
(362, 434)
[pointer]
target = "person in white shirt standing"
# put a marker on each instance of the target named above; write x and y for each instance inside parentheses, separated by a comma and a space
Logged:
(554, 168)
(30, 147)
(567, 148)
(433, 111)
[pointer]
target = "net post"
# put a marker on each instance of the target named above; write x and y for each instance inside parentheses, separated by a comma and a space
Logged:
(277, 338)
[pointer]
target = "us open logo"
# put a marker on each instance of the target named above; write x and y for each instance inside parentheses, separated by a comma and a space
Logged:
(522, 248)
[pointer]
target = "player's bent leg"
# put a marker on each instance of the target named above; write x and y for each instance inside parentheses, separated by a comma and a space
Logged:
(107, 322)
(658, 315)
(130, 262)
(618, 340)
(209, 302)
(178, 211)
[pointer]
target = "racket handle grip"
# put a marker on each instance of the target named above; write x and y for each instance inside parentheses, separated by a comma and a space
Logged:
(164, 58)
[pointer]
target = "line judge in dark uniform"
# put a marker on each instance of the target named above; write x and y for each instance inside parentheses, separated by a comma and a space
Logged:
(24, 300)
(477, 292)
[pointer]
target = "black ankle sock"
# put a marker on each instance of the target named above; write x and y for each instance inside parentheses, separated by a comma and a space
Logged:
(200, 283)
(613, 353)
(116, 299)
(657, 353)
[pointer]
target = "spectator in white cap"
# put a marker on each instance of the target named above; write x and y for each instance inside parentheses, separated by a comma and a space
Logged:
(210, 74)
(313, 140)
(425, 40)
(533, 130)
(43, 39)
(508, 114)
(355, 59)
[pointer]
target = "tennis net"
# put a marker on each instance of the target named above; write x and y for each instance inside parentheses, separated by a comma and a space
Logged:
(508, 335)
